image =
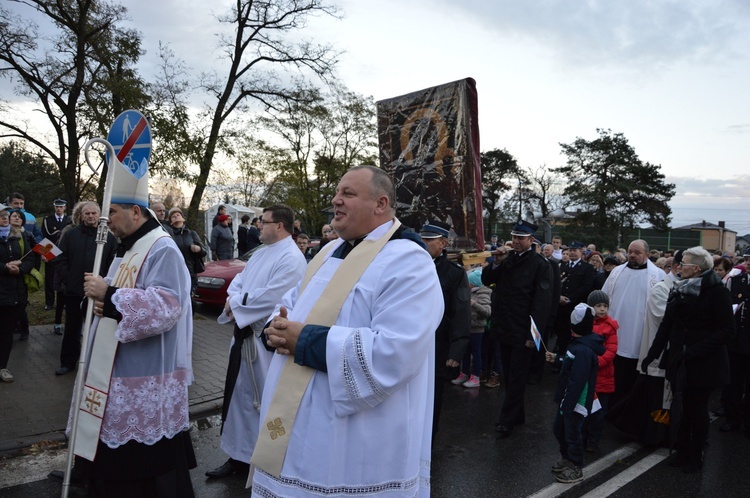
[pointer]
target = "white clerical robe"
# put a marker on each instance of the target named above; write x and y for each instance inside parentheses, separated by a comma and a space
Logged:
(628, 291)
(253, 294)
(365, 426)
(655, 308)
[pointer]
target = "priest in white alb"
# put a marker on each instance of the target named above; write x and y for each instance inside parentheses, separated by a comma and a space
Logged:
(273, 269)
(347, 407)
(628, 288)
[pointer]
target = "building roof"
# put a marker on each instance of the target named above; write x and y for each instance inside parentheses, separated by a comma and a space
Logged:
(704, 225)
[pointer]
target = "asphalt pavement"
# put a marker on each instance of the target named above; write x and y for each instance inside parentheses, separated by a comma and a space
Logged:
(468, 459)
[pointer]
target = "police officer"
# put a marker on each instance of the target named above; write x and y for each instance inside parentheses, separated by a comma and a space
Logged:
(52, 226)
(452, 335)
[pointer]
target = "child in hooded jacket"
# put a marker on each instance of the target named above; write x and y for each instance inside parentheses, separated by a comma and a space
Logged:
(575, 392)
(607, 327)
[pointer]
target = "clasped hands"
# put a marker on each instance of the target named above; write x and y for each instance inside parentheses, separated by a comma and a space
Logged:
(283, 333)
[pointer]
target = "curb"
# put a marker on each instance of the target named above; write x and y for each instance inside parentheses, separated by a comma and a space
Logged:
(37, 443)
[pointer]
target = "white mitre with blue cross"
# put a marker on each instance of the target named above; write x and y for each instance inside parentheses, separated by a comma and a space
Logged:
(130, 186)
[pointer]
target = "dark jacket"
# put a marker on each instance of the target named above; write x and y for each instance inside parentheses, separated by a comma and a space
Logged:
(697, 328)
(12, 287)
(523, 288)
(253, 237)
(52, 229)
(576, 283)
(577, 380)
(78, 246)
(452, 335)
(184, 238)
(242, 239)
(222, 242)
(739, 288)
(556, 289)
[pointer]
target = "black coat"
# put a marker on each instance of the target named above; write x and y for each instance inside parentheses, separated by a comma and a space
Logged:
(78, 246)
(184, 238)
(578, 373)
(523, 288)
(452, 335)
(52, 229)
(739, 288)
(577, 283)
(243, 240)
(12, 287)
(697, 329)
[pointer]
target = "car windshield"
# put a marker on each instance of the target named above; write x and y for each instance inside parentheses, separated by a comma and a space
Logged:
(249, 253)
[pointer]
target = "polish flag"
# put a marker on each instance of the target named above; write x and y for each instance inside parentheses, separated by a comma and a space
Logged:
(47, 249)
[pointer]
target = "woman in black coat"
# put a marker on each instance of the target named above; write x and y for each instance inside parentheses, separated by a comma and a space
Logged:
(13, 293)
(697, 325)
(189, 243)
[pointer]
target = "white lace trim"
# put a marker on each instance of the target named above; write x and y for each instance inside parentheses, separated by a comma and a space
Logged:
(145, 312)
(145, 409)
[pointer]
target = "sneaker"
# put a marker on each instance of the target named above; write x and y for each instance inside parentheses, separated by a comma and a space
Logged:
(460, 379)
(561, 465)
(6, 376)
(569, 475)
(472, 382)
(57, 330)
(494, 381)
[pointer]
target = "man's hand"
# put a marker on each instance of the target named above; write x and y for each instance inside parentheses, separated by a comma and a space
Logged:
(282, 334)
(94, 286)
(228, 310)
(451, 363)
(98, 308)
(564, 300)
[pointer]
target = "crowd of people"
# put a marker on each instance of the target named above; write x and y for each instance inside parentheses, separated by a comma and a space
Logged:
(633, 335)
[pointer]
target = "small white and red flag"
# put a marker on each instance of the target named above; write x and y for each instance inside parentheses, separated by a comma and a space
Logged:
(47, 249)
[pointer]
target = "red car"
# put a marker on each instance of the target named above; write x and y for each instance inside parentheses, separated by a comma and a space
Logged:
(214, 282)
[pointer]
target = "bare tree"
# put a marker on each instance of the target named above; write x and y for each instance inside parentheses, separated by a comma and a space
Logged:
(259, 54)
(86, 55)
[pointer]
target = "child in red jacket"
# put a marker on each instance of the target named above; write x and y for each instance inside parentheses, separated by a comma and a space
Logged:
(605, 379)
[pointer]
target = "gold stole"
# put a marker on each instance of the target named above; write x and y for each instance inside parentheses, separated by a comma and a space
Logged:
(277, 426)
(101, 364)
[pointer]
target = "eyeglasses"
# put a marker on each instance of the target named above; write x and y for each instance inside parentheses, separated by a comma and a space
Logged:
(267, 222)
(686, 264)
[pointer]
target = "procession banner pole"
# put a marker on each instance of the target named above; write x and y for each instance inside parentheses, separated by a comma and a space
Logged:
(101, 240)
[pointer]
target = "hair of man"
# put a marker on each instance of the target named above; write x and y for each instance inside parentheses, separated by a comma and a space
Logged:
(282, 214)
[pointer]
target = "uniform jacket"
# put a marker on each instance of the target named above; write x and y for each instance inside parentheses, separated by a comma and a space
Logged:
(556, 289)
(452, 335)
(52, 229)
(576, 283)
(78, 247)
(697, 329)
(739, 288)
(578, 374)
(607, 328)
(523, 287)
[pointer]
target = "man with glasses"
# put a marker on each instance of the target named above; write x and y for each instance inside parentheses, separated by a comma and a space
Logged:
(270, 272)
(628, 287)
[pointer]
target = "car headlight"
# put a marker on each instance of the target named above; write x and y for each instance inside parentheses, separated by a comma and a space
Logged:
(211, 282)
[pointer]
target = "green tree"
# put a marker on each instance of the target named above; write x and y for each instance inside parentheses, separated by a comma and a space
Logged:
(613, 188)
(499, 169)
(33, 176)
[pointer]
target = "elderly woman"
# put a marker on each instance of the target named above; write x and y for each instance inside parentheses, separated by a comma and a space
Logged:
(13, 294)
(189, 243)
(698, 323)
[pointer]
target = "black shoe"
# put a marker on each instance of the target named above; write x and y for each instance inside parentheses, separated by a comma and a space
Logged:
(47, 307)
(57, 330)
(230, 467)
(75, 478)
(503, 431)
(679, 459)
(63, 371)
(730, 427)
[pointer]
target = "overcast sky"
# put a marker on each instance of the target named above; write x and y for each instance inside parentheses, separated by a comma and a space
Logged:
(672, 76)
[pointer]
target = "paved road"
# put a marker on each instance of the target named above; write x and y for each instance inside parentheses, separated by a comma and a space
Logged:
(468, 460)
